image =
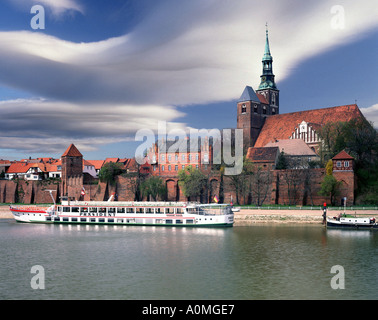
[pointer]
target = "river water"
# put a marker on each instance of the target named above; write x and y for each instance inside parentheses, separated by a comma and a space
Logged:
(240, 263)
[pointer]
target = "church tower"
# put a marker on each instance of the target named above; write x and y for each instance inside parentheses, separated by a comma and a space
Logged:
(253, 107)
(268, 86)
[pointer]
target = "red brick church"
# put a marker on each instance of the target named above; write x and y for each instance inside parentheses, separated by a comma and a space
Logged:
(258, 115)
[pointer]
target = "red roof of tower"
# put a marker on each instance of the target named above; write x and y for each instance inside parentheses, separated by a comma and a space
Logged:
(72, 152)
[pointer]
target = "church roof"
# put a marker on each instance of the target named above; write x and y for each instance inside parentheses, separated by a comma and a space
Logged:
(72, 152)
(281, 126)
(249, 95)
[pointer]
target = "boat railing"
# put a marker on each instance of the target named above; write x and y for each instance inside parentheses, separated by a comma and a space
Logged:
(28, 208)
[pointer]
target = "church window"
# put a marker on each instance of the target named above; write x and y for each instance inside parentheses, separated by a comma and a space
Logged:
(264, 110)
(255, 110)
(244, 108)
(274, 99)
(273, 111)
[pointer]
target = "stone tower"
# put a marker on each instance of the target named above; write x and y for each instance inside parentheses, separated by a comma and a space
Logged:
(72, 172)
(253, 107)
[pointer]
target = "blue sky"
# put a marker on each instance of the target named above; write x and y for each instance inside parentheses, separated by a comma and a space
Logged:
(102, 70)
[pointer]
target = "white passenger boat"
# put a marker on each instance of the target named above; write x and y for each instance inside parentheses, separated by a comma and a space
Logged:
(178, 214)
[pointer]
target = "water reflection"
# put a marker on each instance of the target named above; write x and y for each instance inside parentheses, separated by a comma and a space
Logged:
(131, 262)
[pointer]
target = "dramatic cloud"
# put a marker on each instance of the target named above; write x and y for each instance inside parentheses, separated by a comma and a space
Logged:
(371, 114)
(26, 123)
(182, 53)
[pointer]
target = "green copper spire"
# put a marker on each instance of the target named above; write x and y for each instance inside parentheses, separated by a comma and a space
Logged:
(267, 56)
(267, 78)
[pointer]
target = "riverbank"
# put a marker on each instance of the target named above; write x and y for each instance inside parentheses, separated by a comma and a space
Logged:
(247, 217)
(254, 216)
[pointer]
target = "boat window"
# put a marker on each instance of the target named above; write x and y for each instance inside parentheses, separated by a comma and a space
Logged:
(111, 210)
(179, 222)
(93, 210)
(74, 219)
(83, 209)
(101, 210)
(189, 221)
(130, 210)
(140, 210)
(59, 209)
(83, 219)
(120, 210)
(93, 219)
(166, 210)
(110, 220)
(65, 219)
(56, 219)
(149, 210)
(157, 210)
(120, 220)
(168, 221)
(75, 209)
(66, 209)
(179, 210)
(101, 220)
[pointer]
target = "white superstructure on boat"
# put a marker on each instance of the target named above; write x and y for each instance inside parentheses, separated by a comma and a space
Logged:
(129, 213)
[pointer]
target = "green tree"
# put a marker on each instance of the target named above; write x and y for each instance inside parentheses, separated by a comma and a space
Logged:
(330, 187)
(329, 168)
(192, 181)
(282, 162)
(154, 187)
(109, 171)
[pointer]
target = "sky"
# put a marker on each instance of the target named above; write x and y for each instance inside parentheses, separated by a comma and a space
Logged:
(98, 71)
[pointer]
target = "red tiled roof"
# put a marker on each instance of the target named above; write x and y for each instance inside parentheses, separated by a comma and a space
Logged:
(262, 98)
(97, 163)
(19, 167)
(281, 126)
(268, 154)
(343, 156)
(72, 152)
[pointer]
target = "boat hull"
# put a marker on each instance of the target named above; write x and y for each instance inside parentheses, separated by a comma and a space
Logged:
(354, 225)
